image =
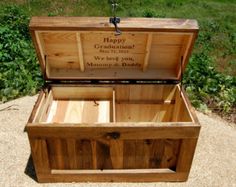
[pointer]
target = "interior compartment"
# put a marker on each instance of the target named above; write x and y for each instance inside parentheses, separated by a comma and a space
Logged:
(78, 105)
(114, 103)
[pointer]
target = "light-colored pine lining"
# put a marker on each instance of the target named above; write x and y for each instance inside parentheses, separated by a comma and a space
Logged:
(74, 112)
(71, 111)
(104, 111)
(52, 112)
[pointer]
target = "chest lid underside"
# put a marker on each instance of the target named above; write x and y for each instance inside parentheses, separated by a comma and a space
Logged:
(86, 48)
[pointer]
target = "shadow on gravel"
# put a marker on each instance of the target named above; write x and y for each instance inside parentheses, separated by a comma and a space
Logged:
(29, 170)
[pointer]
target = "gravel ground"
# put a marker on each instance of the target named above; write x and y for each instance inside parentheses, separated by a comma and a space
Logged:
(214, 162)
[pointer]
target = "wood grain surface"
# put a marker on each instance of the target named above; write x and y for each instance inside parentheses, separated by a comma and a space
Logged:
(79, 131)
(115, 132)
(81, 48)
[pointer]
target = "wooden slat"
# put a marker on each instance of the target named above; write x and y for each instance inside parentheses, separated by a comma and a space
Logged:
(127, 130)
(39, 48)
(60, 111)
(37, 109)
(185, 115)
(102, 23)
(187, 149)
(164, 57)
(150, 102)
(178, 102)
(147, 93)
(187, 41)
(116, 153)
(119, 125)
(114, 74)
(57, 49)
(46, 107)
(72, 153)
(77, 110)
(103, 154)
(65, 62)
(129, 154)
(168, 112)
(186, 53)
(135, 176)
(156, 153)
(141, 154)
(58, 153)
(143, 112)
(148, 49)
(80, 51)
(169, 92)
(52, 112)
(185, 46)
(40, 156)
(189, 107)
(86, 156)
(82, 92)
(94, 153)
(114, 106)
(60, 49)
(170, 154)
(47, 68)
(59, 43)
(94, 111)
(53, 157)
(169, 39)
(61, 37)
(113, 171)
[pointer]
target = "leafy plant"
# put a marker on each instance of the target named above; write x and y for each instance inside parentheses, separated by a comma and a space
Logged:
(210, 76)
(205, 85)
(19, 70)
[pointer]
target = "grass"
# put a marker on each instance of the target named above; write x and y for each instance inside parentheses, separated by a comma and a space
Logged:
(216, 18)
(210, 77)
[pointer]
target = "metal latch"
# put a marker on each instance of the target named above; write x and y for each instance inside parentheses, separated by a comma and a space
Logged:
(113, 135)
(115, 20)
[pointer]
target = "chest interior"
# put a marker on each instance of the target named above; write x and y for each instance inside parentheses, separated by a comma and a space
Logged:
(113, 103)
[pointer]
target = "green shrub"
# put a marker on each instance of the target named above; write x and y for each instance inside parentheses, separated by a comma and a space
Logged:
(206, 86)
(19, 70)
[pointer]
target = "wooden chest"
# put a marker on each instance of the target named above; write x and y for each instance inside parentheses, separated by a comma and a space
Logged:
(113, 108)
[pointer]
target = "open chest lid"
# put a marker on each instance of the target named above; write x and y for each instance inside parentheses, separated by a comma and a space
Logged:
(86, 48)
